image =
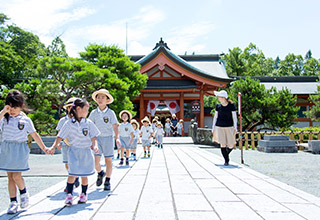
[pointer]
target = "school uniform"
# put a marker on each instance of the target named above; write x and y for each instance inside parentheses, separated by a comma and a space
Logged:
(167, 127)
(104, 120)
(146, 132)
(80, 154)
(64, 147)
(14, 151)
(125, 130)
(179, 128)
(159, 134)
(135, 139)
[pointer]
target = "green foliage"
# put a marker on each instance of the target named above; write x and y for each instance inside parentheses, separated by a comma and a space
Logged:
(19, 52)
(269, 109)
(252, 62)
(210, 101)
(314, 112)
(124, 81)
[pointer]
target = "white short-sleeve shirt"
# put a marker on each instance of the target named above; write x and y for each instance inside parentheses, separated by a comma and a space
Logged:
(136, 134)
(104, 120)
(17, 129)
(146, 132)
(125, 129)
(61, 122)
(159, 131)
(79, 134)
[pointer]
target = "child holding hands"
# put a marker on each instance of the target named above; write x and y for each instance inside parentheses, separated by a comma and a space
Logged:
(82, 134)
(14, 151)
(65, 143)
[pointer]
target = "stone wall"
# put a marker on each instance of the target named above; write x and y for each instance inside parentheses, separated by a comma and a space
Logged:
(201, 135)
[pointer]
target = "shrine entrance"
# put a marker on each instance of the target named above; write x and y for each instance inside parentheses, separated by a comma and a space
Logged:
(176, 82)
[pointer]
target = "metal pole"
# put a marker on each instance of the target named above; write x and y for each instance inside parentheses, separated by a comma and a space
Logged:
(240, 134)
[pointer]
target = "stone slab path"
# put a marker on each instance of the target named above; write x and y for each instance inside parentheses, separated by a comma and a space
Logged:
(179, 181)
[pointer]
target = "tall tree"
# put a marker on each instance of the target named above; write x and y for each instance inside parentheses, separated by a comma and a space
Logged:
(262, 108)
(314, 112)
(292, 65)
(250, 62)
(19, 52)
(126, 81)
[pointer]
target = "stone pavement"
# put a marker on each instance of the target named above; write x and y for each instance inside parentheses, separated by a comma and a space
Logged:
(180, 181)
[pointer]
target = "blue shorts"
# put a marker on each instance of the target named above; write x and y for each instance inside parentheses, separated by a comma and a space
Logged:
(145, 143)
(134, 144)
(106, 146)
(159, 139)
(125, 142)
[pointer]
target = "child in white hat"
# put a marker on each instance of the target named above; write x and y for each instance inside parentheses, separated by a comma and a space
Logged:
(180, 127)
(146, 134)
(167, 127)
(106, 121)
(159, 133)
(126, 135)
(82, 135)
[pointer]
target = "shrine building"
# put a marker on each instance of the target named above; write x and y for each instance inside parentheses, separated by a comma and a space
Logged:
(177, 84)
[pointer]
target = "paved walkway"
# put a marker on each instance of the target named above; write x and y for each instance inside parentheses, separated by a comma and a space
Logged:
(180, 181)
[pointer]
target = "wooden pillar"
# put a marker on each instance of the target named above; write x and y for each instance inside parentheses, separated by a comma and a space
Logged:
(141, 107)
(182, 110)
(201, 125)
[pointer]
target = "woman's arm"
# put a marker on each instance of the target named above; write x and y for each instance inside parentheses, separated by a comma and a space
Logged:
(235, 121)
(214, 121)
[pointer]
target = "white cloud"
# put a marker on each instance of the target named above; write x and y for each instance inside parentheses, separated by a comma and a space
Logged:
(139, 28)
(185, 37)
(43, 17)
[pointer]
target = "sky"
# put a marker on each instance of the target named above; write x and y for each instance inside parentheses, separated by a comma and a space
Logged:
(277, 27)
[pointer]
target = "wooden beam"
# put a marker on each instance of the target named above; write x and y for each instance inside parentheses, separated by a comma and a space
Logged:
(201, 125)
(141, 107)
(182, 109)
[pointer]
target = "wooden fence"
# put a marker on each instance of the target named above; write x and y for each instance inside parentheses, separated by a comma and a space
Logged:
(250, 139)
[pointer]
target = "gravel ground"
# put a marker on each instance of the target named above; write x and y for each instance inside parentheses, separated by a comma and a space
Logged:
(296, 169)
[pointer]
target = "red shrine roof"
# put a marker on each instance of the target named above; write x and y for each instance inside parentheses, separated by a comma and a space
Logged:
(206, 68)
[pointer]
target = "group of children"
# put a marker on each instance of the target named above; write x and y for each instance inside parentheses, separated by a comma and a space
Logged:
(83, 141)
(170, 129)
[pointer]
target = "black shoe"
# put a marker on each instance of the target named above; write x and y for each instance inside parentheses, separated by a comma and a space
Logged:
(127, 162)
(121, 162)
(100, 179)
(226, 164)
(107, 186)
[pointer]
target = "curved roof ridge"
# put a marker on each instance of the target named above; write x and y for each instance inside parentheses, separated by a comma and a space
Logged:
(163, 48)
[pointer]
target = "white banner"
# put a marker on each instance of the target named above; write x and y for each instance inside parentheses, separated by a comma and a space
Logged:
(152, 106)
(173, 106)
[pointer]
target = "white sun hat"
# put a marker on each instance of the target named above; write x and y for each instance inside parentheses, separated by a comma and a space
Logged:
(221, 93)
